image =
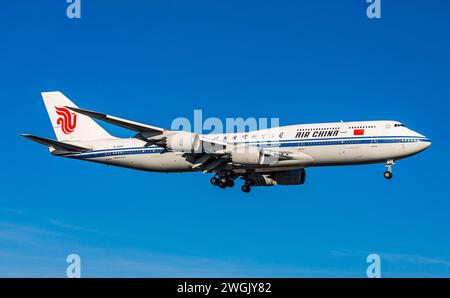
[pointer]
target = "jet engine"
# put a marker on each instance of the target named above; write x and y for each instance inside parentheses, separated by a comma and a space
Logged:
(256, 157)
(264, 180)
(293, 177)
(184, 142)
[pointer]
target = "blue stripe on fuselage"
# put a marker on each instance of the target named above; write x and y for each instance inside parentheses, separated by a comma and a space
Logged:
(262, 143)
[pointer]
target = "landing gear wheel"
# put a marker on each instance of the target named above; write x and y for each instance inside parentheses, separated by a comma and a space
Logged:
(230, 183)
(223, 180)
(246, 188)
(214, 181)
(222, 185)
(388, 175)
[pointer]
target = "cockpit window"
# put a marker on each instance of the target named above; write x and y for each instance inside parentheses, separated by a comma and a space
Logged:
(399, 124)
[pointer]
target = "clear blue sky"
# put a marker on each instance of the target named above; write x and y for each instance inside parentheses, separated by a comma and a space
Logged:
(153, 61)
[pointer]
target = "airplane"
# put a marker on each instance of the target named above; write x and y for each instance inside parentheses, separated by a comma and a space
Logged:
(267, 157)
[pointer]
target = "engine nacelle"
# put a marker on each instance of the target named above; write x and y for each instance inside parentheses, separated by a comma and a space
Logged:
(264, 180)
(255, 157)
(184, 142)
(293, 177)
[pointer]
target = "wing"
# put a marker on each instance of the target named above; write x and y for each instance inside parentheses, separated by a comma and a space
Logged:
(136, 126)
(152, 134)
(285, 155)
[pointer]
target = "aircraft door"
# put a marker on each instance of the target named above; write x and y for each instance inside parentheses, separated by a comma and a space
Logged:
(344, 128)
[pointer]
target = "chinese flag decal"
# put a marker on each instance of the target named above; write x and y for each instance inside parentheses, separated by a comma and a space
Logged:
(358, 132)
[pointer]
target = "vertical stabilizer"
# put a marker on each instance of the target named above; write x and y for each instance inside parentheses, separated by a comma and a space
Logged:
(68, 125)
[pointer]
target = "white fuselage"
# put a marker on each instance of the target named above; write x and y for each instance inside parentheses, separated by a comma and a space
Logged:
(339, 143)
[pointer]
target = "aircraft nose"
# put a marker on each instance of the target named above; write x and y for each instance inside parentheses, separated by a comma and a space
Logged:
(422, 142)
(425, 143)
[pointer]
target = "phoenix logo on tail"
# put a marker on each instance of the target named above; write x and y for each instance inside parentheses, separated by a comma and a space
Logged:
(67, 120)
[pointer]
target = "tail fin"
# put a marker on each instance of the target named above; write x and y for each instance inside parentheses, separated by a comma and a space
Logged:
(68, 125)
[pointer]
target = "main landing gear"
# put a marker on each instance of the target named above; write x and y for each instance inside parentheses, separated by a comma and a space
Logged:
(388, 174)
(223, 180)
(246, 188)
(226, 179)
(247, 185)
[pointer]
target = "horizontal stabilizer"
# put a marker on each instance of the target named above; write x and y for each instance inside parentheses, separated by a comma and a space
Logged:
(55, 144)
(136, 126)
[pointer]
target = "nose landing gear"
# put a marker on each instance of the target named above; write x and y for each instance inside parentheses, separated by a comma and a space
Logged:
(388, 174)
